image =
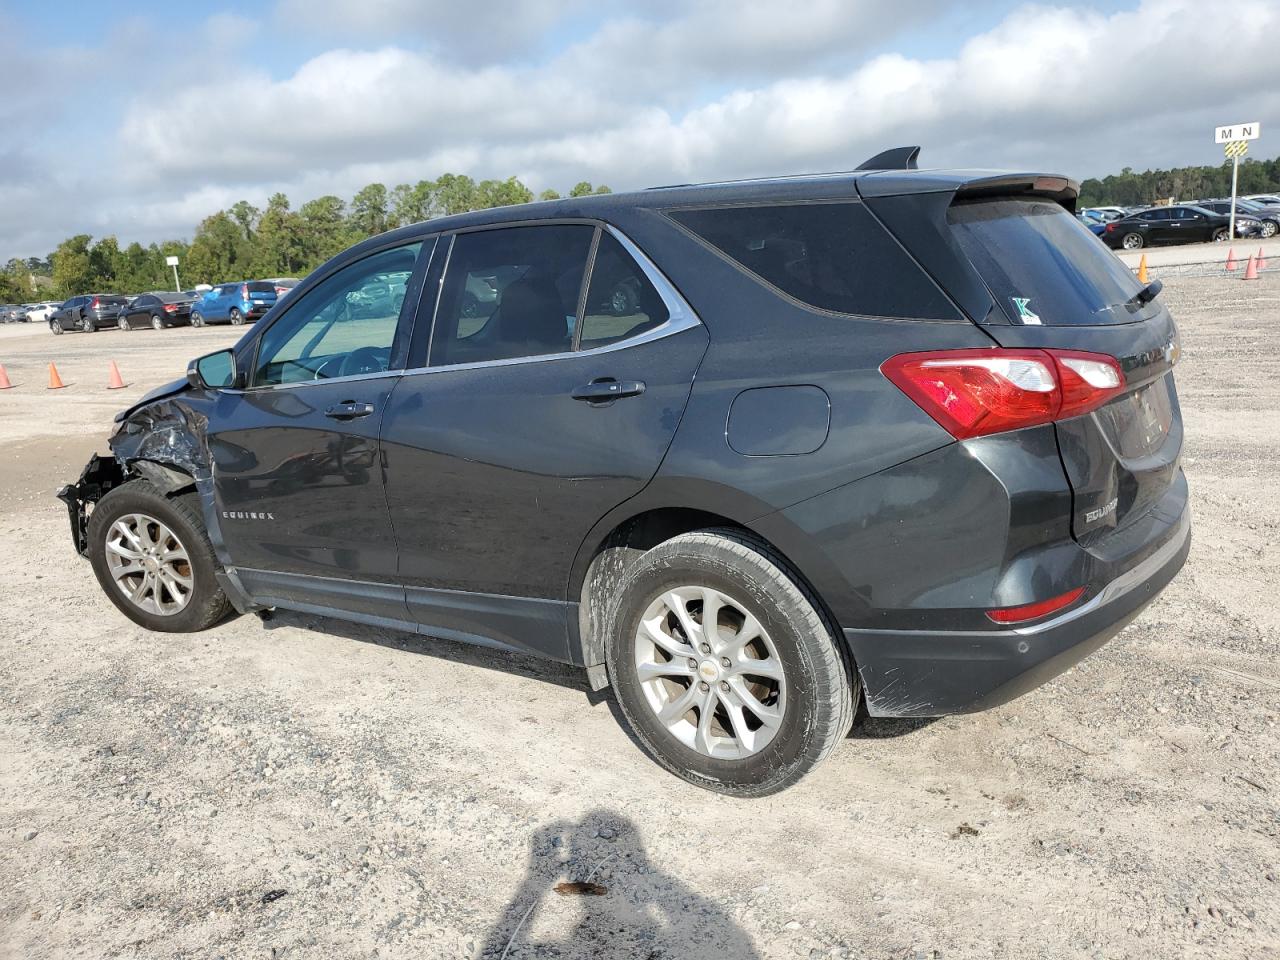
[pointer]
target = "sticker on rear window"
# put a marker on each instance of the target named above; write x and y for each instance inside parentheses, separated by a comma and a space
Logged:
(1025, 313)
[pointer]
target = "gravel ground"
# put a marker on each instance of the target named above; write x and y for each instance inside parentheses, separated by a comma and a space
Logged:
(306, 788)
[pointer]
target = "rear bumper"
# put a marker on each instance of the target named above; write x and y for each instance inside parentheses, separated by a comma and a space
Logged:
(909, 673)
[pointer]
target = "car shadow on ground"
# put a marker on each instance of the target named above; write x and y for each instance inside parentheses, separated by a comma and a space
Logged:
(590, 890)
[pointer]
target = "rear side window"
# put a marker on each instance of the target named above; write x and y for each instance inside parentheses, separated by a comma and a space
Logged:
(621, 302)
(1041, 265)
(832, 256)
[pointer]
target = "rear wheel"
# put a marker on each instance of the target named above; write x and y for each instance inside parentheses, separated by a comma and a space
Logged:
(1133, 241)
(55, 328)
(86, 325)
(197, 320)
(157, 323)
(153, 558)
(237, 318)
(725, 666)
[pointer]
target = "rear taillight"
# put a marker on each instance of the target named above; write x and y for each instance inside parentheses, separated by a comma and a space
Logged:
(94, 305)
(1111, 228)
(170, 308)
(1034, 611)
(244, 291)
(973, 393)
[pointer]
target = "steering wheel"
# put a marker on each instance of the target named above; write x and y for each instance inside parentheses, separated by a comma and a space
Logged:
(362, 360)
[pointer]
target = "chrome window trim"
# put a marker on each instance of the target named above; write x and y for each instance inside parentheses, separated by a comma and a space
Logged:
(680, 317)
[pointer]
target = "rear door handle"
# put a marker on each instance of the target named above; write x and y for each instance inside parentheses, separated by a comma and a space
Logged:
(349, 410)
(598, 391)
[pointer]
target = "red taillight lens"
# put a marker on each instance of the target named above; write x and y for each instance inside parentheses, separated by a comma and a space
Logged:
(244, 291)
(973, 393)
(1111, 228)
(94, 305)
(170, 308)
(1034, 611)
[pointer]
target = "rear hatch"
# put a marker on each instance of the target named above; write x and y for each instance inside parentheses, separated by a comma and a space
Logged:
(109, 306)
(261, 293)
(1056, 286)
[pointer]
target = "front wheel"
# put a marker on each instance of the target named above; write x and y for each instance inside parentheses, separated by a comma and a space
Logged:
(1133, 241)
(153, 558)
(1221, 235)
(1269, 228)
(725, 666)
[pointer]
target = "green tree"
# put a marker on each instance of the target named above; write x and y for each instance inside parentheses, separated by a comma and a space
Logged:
(72, 271)
(278, 250)
(15, 282)
(453, 193)
(324, 231)
(369, 213)
(548, 194)
(246, 217)
(501, 193)
(219, 252)
(582, 189)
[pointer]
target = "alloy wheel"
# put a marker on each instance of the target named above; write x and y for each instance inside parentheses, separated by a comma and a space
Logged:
(1132, 241)
(157, 323)
(86, 325)
(710, 672)
(149, 564)
(236, 318)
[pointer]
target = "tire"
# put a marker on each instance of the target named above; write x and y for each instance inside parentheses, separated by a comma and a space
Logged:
(812, 701)
(122, 323)
(236, 317)
(86, 325)
(56, 328)
(197, 320)
(1221, 235)
(157, 323)
(1269, 229)
(205, 603)
(1133, 241)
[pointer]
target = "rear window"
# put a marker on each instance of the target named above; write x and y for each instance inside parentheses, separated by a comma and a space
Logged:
(260, 286)
(113, 300)
(1041, 264)
(832, 256)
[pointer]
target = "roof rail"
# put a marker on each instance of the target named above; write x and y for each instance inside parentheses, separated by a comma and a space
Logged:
(899, 158)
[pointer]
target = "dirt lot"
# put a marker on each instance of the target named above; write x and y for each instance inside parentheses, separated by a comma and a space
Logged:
(306, 788)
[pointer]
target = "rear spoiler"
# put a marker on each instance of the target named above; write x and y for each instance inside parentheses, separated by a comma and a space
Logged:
(1053, 187)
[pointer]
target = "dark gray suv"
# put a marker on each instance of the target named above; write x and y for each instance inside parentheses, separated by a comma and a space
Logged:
(753, 453)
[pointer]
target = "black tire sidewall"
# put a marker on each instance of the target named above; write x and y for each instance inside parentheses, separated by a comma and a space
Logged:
(207, 604)
(795, 748)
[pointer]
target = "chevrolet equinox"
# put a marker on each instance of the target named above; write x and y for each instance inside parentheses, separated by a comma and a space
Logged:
(753, 453)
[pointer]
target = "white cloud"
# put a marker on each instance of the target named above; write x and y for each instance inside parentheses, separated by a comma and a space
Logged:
(1072, 91)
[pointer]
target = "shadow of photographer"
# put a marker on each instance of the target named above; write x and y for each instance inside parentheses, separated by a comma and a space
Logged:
(629, 907)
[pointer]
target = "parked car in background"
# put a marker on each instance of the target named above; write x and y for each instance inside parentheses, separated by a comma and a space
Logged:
(1267, 198)
(1267, 216)
(1094, 221)
(697, 448)
(40, 312)
(283, 284)
(1105, 214)
(87, 313)
(12, 313)
(158, 310)
(235, 303)
(1180, 224)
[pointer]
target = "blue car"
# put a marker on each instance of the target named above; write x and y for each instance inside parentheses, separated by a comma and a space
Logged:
(234, 303)
(1096, 224)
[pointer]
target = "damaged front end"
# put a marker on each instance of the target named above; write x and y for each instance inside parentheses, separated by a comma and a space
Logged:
(99, 476)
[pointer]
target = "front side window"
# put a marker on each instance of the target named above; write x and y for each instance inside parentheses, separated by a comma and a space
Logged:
(343, 326)
(511, 292)
(621, 302)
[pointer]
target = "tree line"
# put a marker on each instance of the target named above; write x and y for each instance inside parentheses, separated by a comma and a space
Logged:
(244, 241)
(1130, 189)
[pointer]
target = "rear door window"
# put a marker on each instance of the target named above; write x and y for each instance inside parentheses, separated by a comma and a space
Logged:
(831, 256)
(511, 292)
(1041, 264)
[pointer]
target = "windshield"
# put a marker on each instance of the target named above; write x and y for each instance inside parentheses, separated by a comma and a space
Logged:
(1041, 264)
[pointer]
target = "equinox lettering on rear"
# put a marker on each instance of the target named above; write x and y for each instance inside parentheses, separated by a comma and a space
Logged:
(246, 515)
(1092, 515)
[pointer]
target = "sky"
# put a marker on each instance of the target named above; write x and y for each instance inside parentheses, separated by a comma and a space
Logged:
(138, 119)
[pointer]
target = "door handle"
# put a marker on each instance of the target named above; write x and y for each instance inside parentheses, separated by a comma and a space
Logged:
(606, 390)
(349, 410)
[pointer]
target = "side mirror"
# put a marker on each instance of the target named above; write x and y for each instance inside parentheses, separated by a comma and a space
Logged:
(214, 371)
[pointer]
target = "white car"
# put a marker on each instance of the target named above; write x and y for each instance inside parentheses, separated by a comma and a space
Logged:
(39, 312)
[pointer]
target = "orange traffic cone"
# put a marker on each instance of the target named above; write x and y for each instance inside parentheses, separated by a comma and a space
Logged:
(1262, 259)
(1142, 270)
(114, 381)
(55, 381)
(1231, 260)
(4, 379)
(1251, 270)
